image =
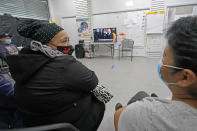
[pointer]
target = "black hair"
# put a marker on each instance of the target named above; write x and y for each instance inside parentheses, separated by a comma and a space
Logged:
(182, 39)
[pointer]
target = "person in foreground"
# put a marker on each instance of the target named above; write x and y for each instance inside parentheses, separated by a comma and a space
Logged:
(52, 86)
(178, 70)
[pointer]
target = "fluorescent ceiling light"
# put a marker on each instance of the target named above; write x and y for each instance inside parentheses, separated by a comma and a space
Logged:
(129, 3)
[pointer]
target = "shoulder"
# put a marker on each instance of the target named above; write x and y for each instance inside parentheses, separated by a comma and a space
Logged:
(143, 107)
(65, 59)
(148, 104)
(141, 113)
(66, 62)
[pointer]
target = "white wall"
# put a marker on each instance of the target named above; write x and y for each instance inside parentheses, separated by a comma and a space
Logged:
(61, 8)
(70, 26)
(130, 23)
(179, 2)
(103, 6)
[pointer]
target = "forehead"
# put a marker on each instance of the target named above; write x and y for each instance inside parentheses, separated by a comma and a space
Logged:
(7, 37)
(61, 35)
(168, 54)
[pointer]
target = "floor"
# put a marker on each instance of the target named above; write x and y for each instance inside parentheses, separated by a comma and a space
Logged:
(124, 78)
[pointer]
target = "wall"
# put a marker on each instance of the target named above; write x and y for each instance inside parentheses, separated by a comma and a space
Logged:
(103, 6)
(63, 12)
(66, 9)
(115, 13)
(104, 11)
(61, 8)
(130, 23)
(179, 2)
(70, 26)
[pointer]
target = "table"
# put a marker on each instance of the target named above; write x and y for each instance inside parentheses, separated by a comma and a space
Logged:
(109, 44)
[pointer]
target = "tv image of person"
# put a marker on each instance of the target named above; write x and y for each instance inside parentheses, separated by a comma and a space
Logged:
(109, 34)
(104, 33)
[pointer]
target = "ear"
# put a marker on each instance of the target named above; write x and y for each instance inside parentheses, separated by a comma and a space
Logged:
(189, 78)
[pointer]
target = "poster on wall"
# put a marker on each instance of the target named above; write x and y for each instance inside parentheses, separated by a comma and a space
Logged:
(82, 27)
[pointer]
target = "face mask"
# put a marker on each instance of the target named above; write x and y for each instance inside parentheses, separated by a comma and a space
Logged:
(8, 41)
(160, 64)
(66, 49)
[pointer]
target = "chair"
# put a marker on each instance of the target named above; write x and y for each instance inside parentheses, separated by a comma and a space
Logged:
(54, 127)
(126, 45)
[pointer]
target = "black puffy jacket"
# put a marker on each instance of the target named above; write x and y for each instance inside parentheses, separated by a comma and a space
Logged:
(53, 90)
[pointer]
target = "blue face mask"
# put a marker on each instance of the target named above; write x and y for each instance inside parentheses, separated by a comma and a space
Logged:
(8, 41)
(160, 64)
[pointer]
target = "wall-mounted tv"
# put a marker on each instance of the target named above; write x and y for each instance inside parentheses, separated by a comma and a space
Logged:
(105, 35)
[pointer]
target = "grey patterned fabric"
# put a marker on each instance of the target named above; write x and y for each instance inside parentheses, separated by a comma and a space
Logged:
(38, 30)
(37, 46)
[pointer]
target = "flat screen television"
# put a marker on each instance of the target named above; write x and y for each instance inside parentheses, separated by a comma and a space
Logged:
(105, 35)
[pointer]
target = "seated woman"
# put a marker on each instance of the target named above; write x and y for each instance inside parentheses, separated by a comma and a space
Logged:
(178, 70)
(52, 86)
(8, 116)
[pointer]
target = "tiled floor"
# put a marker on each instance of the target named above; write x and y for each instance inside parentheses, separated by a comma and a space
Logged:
(125, 78)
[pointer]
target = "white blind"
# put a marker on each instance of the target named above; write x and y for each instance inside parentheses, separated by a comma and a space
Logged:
(157, 5)
(35, 9)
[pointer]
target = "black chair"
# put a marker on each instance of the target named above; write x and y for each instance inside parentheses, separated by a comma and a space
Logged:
(126, 45)
(52, 127)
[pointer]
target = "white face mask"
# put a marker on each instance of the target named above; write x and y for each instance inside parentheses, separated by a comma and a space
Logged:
(160, 64)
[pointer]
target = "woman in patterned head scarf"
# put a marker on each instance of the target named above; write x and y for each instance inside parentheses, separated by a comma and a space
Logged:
(51, 86)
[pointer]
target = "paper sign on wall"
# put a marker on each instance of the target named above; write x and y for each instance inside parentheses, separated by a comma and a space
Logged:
(155, 23)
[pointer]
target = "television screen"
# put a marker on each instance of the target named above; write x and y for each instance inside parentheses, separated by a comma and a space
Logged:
(105, 35)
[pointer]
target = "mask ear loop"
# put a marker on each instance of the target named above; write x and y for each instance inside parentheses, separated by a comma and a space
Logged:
(179, 68)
